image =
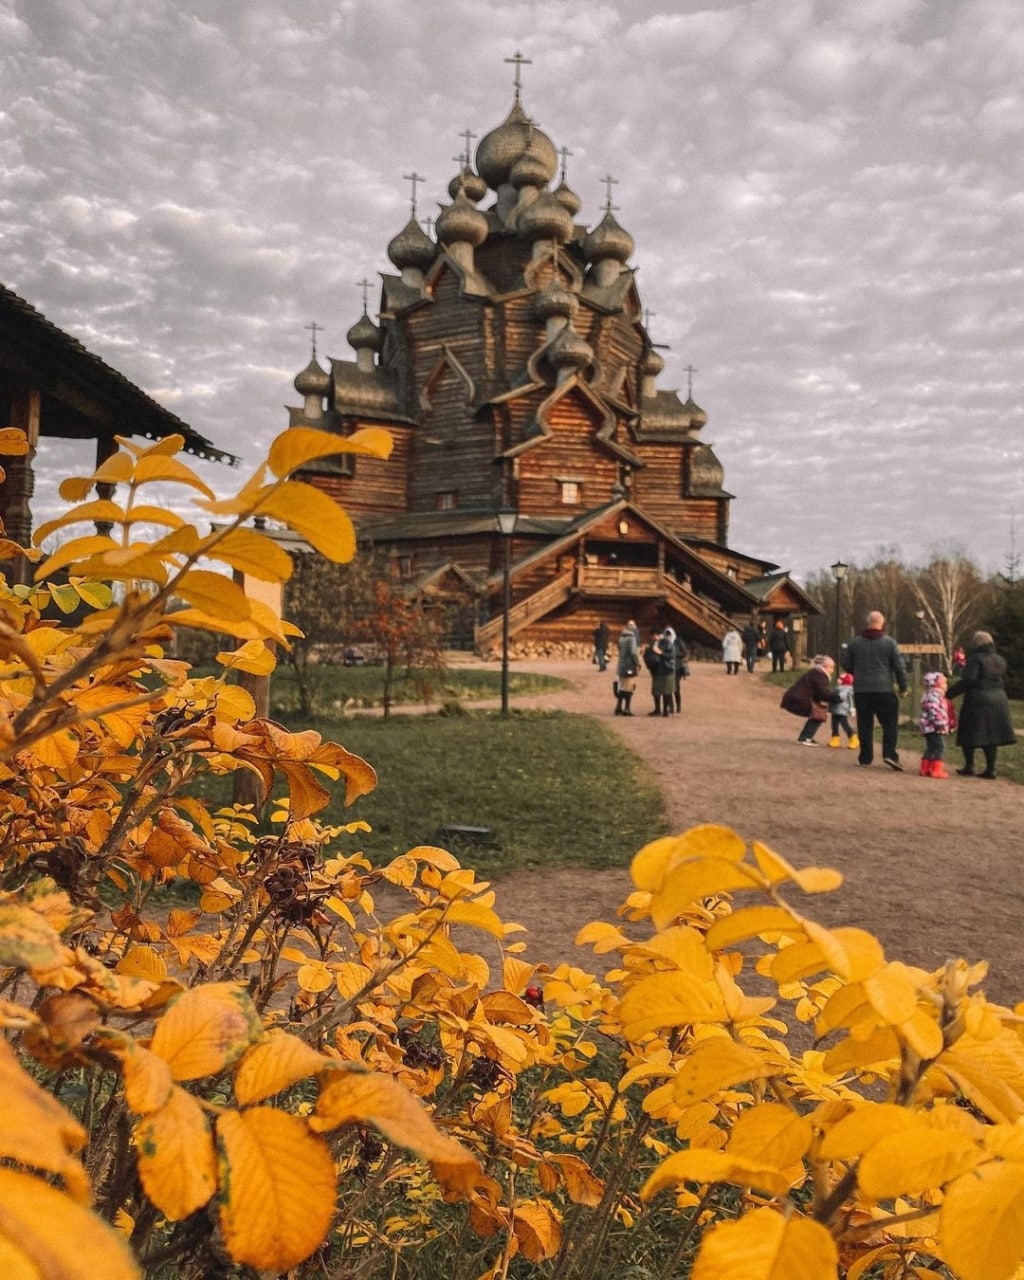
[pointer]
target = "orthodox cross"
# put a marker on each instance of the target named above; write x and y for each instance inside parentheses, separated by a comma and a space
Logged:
(316, 328)
(465, 158)
(414, 178)
(520, 62)
(565, 153)
(609, 182)
(364, 284)
(648, 317)
(690, 371)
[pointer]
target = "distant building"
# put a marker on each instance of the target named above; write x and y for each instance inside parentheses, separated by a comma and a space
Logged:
(51, 386)
(513, 366)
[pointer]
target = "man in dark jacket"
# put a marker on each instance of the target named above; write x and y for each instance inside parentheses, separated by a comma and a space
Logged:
(876, 664)
(751, 637)
(778, 646)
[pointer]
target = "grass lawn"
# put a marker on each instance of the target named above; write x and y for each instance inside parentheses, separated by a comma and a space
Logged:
(554, 789)
(336, 687)
(1010, 763)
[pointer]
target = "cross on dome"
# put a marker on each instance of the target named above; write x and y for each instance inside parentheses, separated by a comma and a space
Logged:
(609, 182)
(520, 62)
(365, 285)
(466, 156)
(414, 178)
(317, 328)
(565, 153)
(689, 371)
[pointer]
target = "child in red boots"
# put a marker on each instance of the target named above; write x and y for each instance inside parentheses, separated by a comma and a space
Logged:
(934, 724)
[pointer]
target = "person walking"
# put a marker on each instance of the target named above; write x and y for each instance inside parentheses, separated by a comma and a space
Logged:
(778, 646)
(841, 708)
(985, 715)
(751, 637)
(601, 636)
(934, 724)
(809, 697)
(665, 678)
(627, 668)
(682, 668)
(876, 664)
(732, 651)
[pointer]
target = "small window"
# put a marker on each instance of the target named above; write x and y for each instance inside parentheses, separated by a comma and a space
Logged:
(571, 493)
(405, 566)
(447, 500)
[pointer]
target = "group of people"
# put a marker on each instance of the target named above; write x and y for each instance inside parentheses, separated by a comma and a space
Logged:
(876, 677)
(751, 643)
(664, 656)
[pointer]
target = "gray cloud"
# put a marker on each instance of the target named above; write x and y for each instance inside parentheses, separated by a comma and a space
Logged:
(823, 196)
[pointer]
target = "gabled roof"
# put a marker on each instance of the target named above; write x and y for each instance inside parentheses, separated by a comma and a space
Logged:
(764, 588)
(83, 397)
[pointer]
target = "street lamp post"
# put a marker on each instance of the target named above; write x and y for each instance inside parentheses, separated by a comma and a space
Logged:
(507, 518)
(839, 573)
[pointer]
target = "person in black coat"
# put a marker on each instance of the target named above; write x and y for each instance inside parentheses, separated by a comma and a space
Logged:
(985, 716)
(810, 696)
(778, 646)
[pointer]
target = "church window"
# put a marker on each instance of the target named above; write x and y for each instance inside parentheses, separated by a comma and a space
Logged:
(447, 500)
(571, 492)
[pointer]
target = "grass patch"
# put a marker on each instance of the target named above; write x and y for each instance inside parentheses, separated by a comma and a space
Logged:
(1010, 763)
(335, 687)
(555, 789)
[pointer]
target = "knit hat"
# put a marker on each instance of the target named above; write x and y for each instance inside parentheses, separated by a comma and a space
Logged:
(846, 678)
(932, 678)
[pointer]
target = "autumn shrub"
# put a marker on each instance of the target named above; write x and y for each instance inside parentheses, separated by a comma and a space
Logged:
(311, 1072)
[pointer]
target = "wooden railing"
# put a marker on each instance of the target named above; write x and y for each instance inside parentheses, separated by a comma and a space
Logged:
(542, 601)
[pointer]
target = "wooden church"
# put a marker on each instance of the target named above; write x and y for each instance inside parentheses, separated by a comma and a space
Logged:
(513, 367)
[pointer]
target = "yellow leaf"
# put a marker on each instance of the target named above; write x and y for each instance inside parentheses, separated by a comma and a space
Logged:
(62, 1239)
(765, 1245)
(771, 1133)
(538, 1229)
(313, 976)
(244, 502)
(214, 593)
(252, 657)
(669, 1000)
(298, 446)
(76, 549)
(250, 552)
(877, 1050)
(143, 514)
(981, 1223)
(650, 866)
(27, 940)
(688, 882)
(314, 516)
(602, 937)
(177, 1160)
(275, 1064)
(278, 1188)
(14, 1263)
(989, 1072)
(147, 1078)
(13, 442)
(892, 994)
(117, 469)
(581, 1184)
(857, 1132)
(701, 1165)
(894, 1166)
(100, 509)
(154, 466)
(751, 922)
(36, 1130)
(715, 1064)
(349, 1097)
(236, 704)
(811, 879)
(143, 962)
(206, 1029)
(58, 750)
(476, 916)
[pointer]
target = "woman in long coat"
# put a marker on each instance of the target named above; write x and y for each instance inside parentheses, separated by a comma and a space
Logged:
(809, 697)
(985, 716)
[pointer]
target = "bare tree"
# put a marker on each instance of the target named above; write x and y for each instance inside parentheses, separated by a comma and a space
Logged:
(954, 598)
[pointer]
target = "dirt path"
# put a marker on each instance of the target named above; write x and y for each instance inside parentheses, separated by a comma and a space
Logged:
(931, 867)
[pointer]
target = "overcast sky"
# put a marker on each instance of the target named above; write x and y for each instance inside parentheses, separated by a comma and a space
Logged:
(826, 199)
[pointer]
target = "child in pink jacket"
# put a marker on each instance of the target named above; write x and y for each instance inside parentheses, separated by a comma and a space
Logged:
(934, 724)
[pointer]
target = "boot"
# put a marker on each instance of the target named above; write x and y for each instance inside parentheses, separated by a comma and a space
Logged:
(619, 699)
(939, 769)
(834, 740)
(679, 702)
(926, 769)
(626, 710)
(854, 743)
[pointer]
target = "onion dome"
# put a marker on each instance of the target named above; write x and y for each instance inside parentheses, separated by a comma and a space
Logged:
(706, 473)
(555, 300)
(364, 334)
(608, 240)
(567, 198)
(461, 223)
(698, 418)
(569, 351)
(652, 364)
(545, 219)
(530, 169)
(468, 182)
(499, 150)
(312, 381)
(412, 247)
